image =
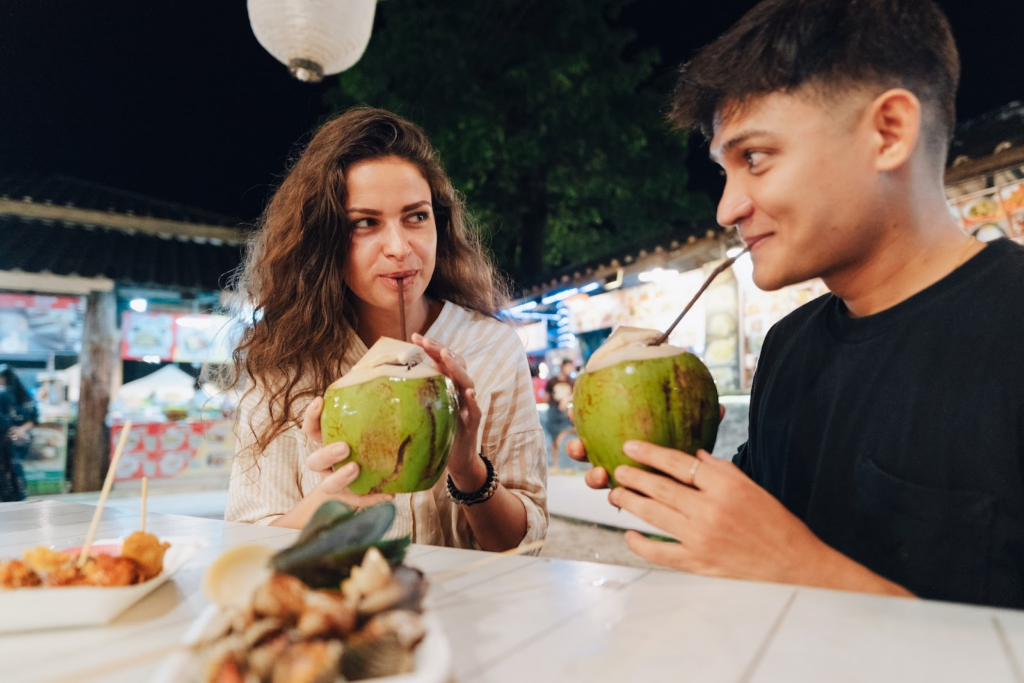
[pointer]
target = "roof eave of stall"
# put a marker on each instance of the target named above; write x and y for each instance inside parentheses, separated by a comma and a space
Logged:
(673, 246)
(160, 227)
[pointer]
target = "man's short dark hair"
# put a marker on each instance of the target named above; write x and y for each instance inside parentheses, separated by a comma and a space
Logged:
(834, 45)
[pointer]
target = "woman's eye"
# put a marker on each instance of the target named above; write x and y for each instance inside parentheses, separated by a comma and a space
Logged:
(363, 223)
(419, 217)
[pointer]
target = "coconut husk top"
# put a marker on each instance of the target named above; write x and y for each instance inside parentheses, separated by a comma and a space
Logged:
(389, 358)
(630, 343)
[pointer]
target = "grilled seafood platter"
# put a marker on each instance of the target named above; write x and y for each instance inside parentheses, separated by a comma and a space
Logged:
(338, 605)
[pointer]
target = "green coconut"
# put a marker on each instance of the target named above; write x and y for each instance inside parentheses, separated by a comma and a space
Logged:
(398, 415)
(631, 390)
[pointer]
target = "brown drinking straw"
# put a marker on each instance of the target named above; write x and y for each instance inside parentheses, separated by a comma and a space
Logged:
(725, 264)
(401, 306)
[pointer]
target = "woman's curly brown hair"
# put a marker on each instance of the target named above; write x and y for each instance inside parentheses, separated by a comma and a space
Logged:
(293, 276)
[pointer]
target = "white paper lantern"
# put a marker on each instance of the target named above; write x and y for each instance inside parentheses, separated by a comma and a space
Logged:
(313, 38)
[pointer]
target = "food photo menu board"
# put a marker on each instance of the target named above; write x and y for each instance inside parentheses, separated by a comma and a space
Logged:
(994, 212)
(763, 309)
(176, 337)
(652, 306)
(721, 310)
(1012, 197)
(161, 450)
(32, 325)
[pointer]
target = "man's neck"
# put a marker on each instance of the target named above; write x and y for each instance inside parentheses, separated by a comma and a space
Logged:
(375, 323)
(916, 252)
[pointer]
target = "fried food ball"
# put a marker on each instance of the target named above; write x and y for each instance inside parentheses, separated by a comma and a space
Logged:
(45, 560)
(69, 575)
(17, 574)
(104, 570)
(148, 552)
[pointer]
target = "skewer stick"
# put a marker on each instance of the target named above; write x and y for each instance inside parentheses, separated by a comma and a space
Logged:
(144, 482)
(715, 273)
(107, 483)
(473, 566)
(401, 306)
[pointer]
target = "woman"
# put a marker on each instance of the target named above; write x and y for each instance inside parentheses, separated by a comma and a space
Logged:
(366, 209)
(17, 416)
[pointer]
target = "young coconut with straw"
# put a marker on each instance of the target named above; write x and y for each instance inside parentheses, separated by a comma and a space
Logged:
(364, 274)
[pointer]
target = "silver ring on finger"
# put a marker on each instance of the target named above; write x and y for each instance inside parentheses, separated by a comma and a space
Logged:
(693, 473)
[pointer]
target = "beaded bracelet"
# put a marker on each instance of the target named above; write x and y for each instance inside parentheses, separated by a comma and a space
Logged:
(485, 492)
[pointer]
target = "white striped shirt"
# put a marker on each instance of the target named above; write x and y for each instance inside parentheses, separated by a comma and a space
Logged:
(510, 436)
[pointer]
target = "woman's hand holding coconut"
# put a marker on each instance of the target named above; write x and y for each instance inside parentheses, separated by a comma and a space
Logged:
(333, 483)
(499, 523)
(467, 470)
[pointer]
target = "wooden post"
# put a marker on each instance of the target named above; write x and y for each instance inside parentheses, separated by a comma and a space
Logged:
(99, 355)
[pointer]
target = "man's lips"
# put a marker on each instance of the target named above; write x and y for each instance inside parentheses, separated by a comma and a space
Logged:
(753, 240)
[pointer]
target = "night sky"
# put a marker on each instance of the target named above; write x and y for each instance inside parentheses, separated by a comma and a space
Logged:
(180, 103)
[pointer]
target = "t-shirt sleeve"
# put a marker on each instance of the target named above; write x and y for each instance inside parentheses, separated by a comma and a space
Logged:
(264, 485)
(741, 460)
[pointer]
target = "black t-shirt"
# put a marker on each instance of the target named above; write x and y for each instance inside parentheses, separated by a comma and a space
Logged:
(897, 437)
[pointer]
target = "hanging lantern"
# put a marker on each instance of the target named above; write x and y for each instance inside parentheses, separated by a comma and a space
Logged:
(313, 38)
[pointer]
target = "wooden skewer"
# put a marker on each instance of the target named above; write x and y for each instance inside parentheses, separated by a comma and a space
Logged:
(401, 306)
(144, 482)
(107, 483)
(473, 566)
(715, 273)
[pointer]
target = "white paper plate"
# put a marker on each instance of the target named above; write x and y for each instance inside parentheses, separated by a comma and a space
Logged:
(433, 656)
(25, 609)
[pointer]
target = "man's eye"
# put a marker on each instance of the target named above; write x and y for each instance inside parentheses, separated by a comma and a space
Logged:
(753, 158)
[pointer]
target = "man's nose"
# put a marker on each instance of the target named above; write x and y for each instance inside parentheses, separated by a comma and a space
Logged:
(735, 205)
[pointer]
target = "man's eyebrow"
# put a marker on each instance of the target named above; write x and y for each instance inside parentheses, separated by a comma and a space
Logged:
(738, 140)
(375, 212)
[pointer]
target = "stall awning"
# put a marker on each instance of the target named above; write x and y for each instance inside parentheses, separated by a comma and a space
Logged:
(68, 227)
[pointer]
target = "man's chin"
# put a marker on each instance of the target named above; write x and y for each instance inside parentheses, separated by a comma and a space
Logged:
(774, 281)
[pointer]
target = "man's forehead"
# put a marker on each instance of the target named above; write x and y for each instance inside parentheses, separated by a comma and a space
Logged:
(777, 115)
(761, 113)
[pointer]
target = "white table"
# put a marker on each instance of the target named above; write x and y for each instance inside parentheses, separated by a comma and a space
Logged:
(535, 619)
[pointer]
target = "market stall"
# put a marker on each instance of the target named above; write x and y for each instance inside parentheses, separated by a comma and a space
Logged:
(180, 426)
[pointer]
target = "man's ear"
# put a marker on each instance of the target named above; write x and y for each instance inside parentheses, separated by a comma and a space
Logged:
(895, 118)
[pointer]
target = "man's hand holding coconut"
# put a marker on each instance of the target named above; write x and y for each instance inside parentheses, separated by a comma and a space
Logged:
(725, 524)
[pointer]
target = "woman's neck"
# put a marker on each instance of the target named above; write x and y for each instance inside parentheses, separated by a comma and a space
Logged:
(375, 323)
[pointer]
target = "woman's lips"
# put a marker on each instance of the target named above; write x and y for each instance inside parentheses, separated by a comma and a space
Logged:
(391, 279)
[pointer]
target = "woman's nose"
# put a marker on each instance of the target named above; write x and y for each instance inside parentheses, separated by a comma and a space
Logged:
(396, 243)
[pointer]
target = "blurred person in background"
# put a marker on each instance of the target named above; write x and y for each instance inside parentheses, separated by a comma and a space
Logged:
(18, 415)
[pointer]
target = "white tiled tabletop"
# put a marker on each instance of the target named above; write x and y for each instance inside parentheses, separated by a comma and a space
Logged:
(537, 619)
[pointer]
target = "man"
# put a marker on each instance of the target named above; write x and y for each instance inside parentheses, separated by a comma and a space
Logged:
(885, 442)
(559, 394)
